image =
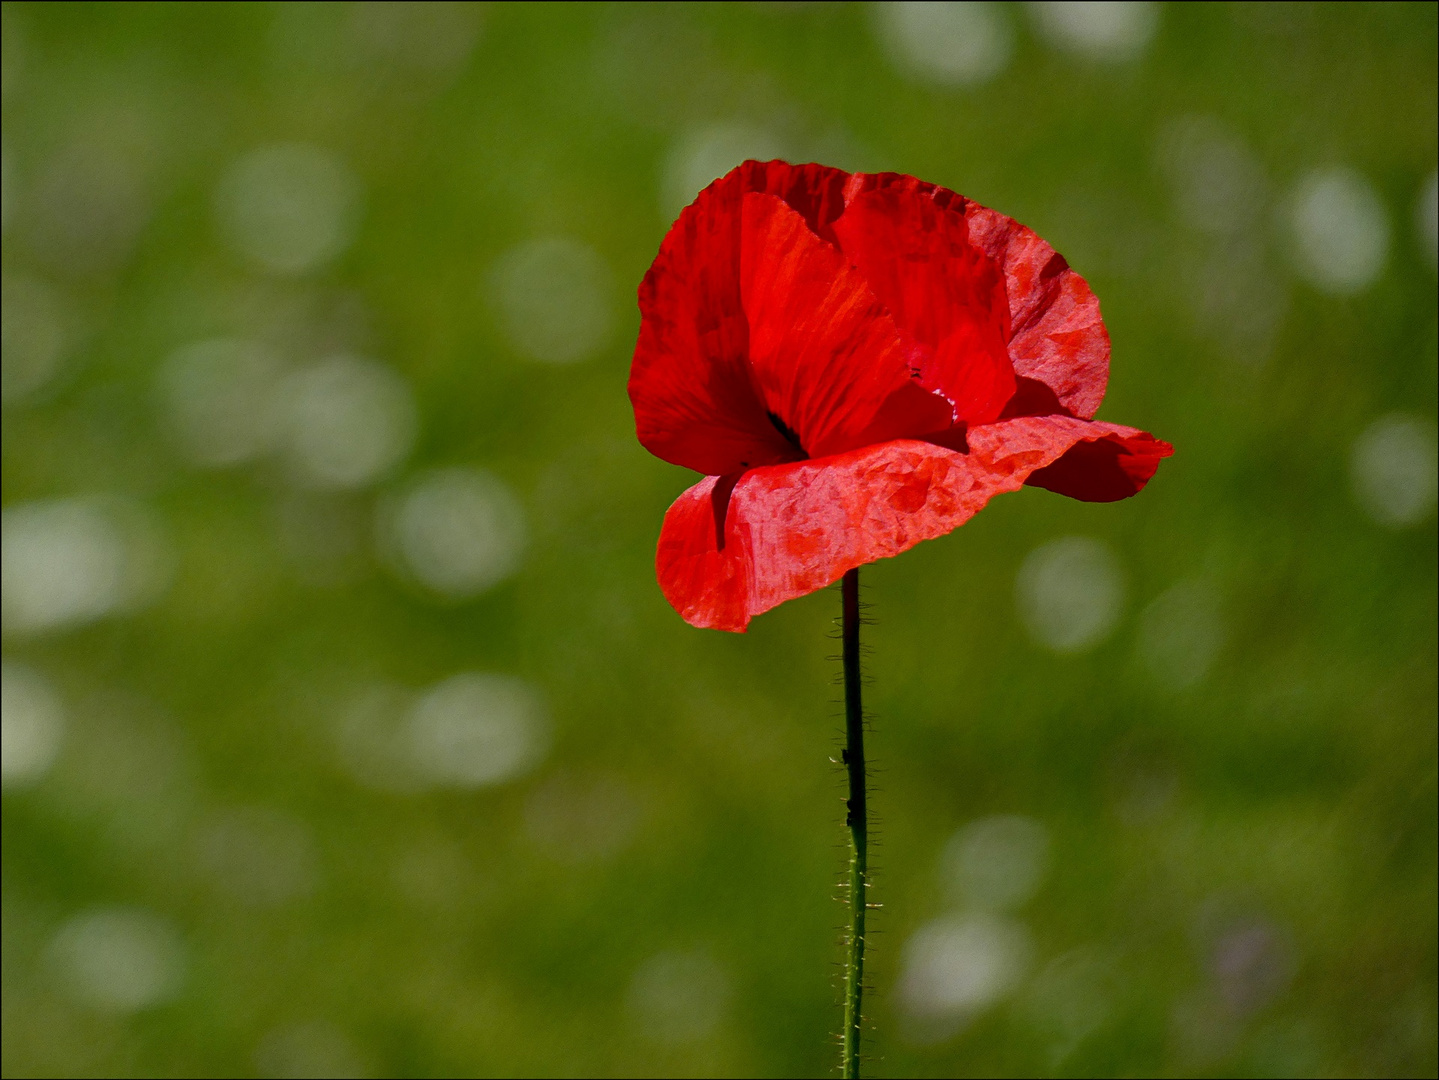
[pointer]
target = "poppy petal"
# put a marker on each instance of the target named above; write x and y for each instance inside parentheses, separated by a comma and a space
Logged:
(944, 292)
(1055, 334)
(830, 365)
(815, 192)
(1084, 459)
(1105, 468)
(1057, 337)
(695, 401)
(695, 404)
(733, 547)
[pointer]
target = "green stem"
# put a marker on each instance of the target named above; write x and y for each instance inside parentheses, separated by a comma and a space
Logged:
(858, 821)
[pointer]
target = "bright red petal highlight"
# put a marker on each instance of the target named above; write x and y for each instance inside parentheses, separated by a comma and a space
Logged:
(826, 357)
(786, 530)
(943, 291)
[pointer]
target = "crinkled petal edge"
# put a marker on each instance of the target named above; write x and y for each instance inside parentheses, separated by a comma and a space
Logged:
(734, 546)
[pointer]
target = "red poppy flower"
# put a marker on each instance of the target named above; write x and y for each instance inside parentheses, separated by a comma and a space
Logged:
(858, 362)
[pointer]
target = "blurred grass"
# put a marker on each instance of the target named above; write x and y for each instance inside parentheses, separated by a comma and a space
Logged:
(1293, 786)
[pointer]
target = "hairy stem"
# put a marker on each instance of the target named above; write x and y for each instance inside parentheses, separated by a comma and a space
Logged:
(858, 821)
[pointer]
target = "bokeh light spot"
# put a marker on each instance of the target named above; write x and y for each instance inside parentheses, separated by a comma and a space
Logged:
(1070, 999)
(1426, 219)
(1181, 633)
(678, 997)
(220, 398)
(1393, 470)
(997, 863)
(415, 35)
(953, 43)
(32, 725)
(1103, 30)
(371, 739)
(555, 297)
(1340, 230)
(313, 1049)
(33, 335)
(459, 531)
(956, 966)
(701, 156)
(1218, 184)
(1251, 962)
(346, 421)
(67, 562)
(119, 960)
(1070, 593)
(475, 730)
(291, 207)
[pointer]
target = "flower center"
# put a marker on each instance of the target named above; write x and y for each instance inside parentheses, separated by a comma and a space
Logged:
(785, 430)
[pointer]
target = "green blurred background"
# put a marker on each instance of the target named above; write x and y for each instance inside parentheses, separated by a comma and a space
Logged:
(346, 731)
